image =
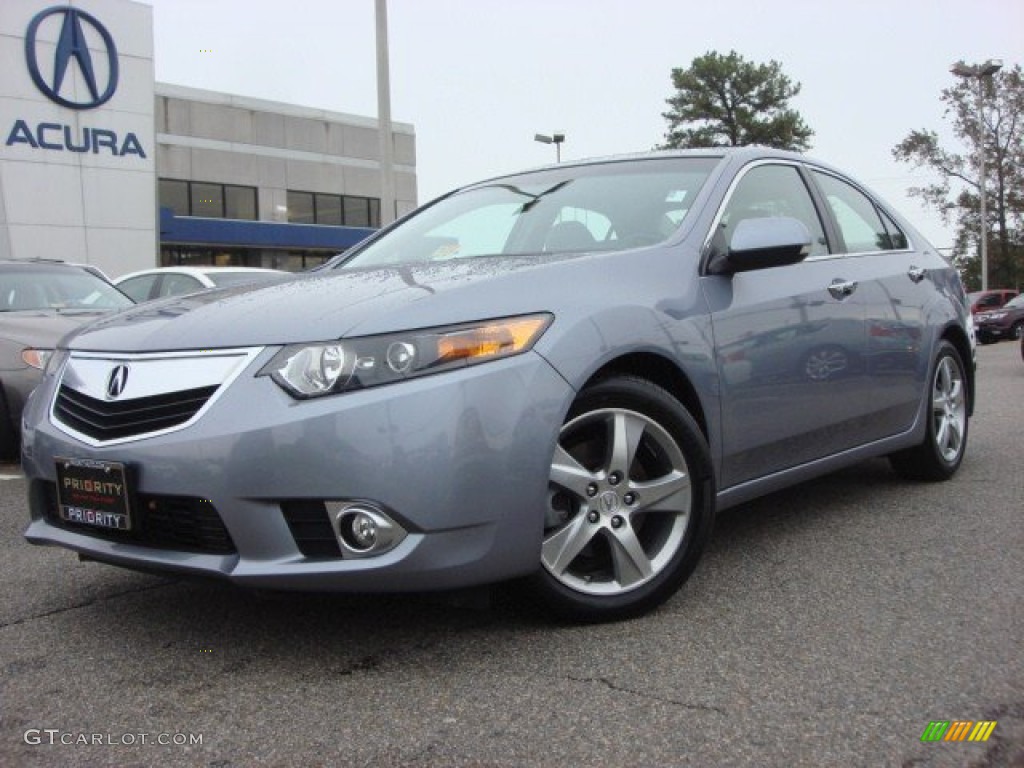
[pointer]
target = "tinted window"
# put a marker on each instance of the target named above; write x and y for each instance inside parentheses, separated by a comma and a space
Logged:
(138, 288)
(859, 221)
(300, 208)
(897, 240)
(239, 202)
(174, 195)
(208, 200)
(768, 191)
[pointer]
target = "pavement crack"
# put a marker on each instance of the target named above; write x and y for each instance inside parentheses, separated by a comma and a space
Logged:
(613, 686)
(83, 604)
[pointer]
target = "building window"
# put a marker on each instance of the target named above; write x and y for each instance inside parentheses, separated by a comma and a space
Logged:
(207, 200)
(214, 201)
(174, 195)
(239, 202)
(300, 208)
(334, 210)
(328, 210)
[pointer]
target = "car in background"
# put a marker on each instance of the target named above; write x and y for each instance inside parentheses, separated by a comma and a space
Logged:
(1007, 322)
(150, 284)
(40, 302)
(557, 376)
(984, 301)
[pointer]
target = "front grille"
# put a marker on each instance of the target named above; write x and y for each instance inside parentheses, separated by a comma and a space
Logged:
(311, 528)
(104, 420)
(174, 523)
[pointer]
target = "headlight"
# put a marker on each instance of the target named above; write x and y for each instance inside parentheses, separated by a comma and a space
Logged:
(311, 370)
(36, 358)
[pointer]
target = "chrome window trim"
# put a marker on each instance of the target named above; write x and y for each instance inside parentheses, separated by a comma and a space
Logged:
(245, 356)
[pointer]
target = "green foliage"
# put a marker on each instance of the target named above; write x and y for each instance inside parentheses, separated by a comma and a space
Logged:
(955, 195)
(729, 101)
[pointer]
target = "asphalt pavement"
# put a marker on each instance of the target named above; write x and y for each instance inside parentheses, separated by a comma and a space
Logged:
(827, 625)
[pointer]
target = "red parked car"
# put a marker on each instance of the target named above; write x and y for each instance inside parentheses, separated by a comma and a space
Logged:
(1006, 322)
(985, 301)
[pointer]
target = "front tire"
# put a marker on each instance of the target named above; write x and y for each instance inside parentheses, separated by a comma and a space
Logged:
(631, 503)
(938, 457)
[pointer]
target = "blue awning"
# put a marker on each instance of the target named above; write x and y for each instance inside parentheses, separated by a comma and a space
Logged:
(193, 230)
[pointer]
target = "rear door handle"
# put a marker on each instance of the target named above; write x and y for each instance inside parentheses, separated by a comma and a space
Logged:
(917, 274)
(842, 289)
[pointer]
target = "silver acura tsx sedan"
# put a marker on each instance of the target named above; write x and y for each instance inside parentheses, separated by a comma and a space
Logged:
(555, 377)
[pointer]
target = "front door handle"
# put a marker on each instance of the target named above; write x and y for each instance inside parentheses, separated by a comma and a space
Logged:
(842, 289)
(917, 274)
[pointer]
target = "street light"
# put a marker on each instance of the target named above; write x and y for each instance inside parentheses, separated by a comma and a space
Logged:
(556, 139)
(979, 72)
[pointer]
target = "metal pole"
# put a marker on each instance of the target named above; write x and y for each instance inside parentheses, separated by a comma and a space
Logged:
(981, 186)
(387, 148)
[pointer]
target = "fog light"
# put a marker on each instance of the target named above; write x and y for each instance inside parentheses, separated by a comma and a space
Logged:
(363, 530)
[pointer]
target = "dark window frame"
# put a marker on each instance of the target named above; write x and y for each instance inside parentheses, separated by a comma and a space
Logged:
(223, 197)
(371, 205)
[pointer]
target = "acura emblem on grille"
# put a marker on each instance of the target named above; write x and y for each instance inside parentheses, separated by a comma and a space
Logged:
(116, 381)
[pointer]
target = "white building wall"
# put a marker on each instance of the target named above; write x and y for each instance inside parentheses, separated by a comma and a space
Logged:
(228, 139)
(97, 206)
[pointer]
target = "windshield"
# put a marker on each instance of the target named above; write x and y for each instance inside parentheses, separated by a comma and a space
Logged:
(602, 207)
(57, 289)
(1015, 303)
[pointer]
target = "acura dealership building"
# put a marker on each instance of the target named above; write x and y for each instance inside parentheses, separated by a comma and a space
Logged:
(102, 165)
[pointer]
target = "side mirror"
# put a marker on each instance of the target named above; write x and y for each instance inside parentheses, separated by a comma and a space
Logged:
(761, 243)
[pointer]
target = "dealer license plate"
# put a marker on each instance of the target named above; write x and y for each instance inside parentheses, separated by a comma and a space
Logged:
(93, 493)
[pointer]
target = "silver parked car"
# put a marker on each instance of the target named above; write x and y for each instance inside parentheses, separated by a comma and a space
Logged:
(558, 375)
(161, 282)
(41, 301)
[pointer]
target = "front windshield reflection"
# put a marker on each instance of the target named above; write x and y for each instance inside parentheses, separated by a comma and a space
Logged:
(601, 207)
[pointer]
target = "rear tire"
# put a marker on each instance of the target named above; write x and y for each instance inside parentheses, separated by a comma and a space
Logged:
(938, 457)
(631, 503)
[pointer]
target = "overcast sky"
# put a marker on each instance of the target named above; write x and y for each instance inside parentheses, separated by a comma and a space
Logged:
(478, 78)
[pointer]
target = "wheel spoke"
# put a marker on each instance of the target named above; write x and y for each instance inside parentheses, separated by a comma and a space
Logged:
(942, 380)
(956, 392)
(629, 559)
(942, 434)
(569, 474)
(664, 489)
(559, 550)
(955, 436)
(627, 430)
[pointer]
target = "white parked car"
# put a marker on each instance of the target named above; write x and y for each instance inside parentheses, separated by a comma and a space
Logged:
(174, 281)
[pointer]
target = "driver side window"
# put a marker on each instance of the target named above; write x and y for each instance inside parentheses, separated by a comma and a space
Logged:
(768, 191)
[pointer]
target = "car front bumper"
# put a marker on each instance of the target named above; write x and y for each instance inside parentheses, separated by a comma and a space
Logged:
(460, 460)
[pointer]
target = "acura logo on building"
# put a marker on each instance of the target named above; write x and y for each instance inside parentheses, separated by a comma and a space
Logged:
(71, 44)
(116, 381)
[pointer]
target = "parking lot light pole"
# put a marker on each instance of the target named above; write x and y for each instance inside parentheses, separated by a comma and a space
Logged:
(555, 138)
(387, 150)
(980, 72)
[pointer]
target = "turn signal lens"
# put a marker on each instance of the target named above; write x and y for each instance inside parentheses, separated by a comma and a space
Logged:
(36, 358)
(498, 339)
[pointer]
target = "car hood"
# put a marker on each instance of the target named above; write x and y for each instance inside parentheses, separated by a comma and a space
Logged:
(326, 306)
(43, 328)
